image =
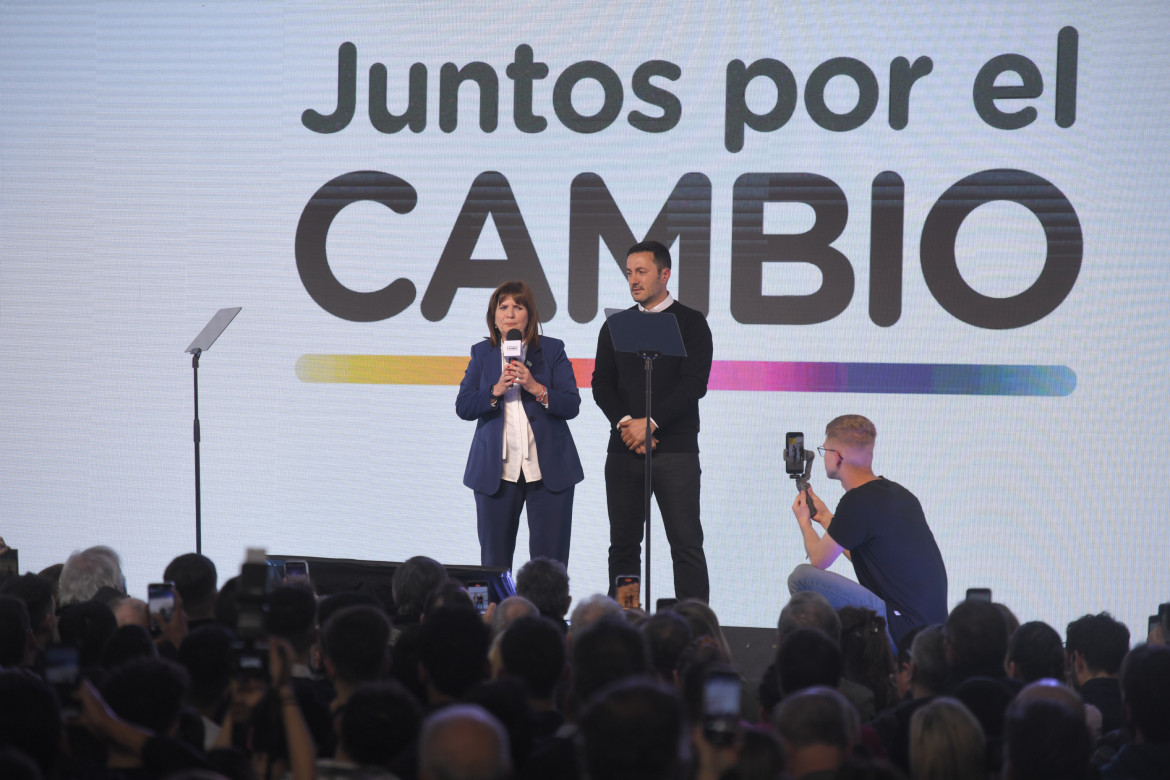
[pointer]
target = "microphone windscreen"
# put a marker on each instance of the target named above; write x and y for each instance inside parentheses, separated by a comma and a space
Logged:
(513, 344)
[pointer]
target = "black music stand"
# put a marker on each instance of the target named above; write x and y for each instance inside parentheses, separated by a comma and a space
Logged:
(215, 326)
(648, 337)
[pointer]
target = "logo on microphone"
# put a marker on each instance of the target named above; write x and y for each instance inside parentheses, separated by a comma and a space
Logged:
(513, 344)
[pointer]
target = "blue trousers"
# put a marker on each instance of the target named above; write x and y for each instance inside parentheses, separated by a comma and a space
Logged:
(550, 521)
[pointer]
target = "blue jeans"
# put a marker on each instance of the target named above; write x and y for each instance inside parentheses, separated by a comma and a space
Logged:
(840, 591)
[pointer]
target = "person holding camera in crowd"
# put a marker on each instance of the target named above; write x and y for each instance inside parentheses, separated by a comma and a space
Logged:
(880, 527)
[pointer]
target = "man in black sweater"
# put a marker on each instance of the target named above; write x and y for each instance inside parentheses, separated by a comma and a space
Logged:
(619, 387)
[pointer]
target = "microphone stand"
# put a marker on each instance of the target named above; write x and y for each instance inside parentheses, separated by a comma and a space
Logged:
(195, 353)
(648, 338)
(211, 331)
(648, 356)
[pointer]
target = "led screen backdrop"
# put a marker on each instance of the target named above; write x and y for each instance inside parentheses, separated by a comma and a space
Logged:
(948, 218)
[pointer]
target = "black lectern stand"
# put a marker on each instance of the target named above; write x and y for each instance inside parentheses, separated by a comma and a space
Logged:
(649, 336)
(201, 344)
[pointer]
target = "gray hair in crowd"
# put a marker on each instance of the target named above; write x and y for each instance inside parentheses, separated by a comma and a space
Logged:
(463, 742)
(809, 609)
(928, 654)
(510, 610)
(590, 610)
(87, 572)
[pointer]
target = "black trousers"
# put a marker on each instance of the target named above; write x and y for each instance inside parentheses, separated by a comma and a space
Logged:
(675, 485)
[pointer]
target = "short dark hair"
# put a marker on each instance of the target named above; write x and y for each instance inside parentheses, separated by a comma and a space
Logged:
(656, 248)
(1044, 739)
(987, 698)
(905, 642)
(381, 720)
(356, 642)
(330, 605)
(412, 585)
(226, 609)
(451, 593)
(127, 643)
(768, 691)
(545, 582)
(89, 625)
(1009, 617)
(808, 657)
(1145, 680)
(507, 701)
(195, 578)
(633, 730)
(37, 594)
(1036, 650)
(14, 631)
(977, 633)
(292, 615)
(607, 651)
(533, 651)
(453, 645)
(1101, 641)
(147, 692)
(404, 660)
(52, 575)
(206, 654)
(667, 635)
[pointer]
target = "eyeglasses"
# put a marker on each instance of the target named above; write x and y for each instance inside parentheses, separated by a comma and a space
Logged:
(823, 450)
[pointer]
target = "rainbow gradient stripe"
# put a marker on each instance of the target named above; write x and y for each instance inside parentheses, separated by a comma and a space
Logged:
(382, 369)
(903, 378)
(752, 375)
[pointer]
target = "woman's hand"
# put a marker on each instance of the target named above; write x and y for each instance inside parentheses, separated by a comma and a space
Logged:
(507, 378)
(516, 373)
(525, 378)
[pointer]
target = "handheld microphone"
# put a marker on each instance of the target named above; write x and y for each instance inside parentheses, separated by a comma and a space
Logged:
(513, 344)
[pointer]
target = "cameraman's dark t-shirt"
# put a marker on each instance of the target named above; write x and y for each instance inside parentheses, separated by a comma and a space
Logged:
(894, 553)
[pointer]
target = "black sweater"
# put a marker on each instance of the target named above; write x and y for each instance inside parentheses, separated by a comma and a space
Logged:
(619, 385)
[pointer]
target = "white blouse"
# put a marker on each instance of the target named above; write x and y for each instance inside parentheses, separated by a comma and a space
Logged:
(519, 444)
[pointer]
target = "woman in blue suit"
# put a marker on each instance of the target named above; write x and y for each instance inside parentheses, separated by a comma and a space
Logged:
(522, 452)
